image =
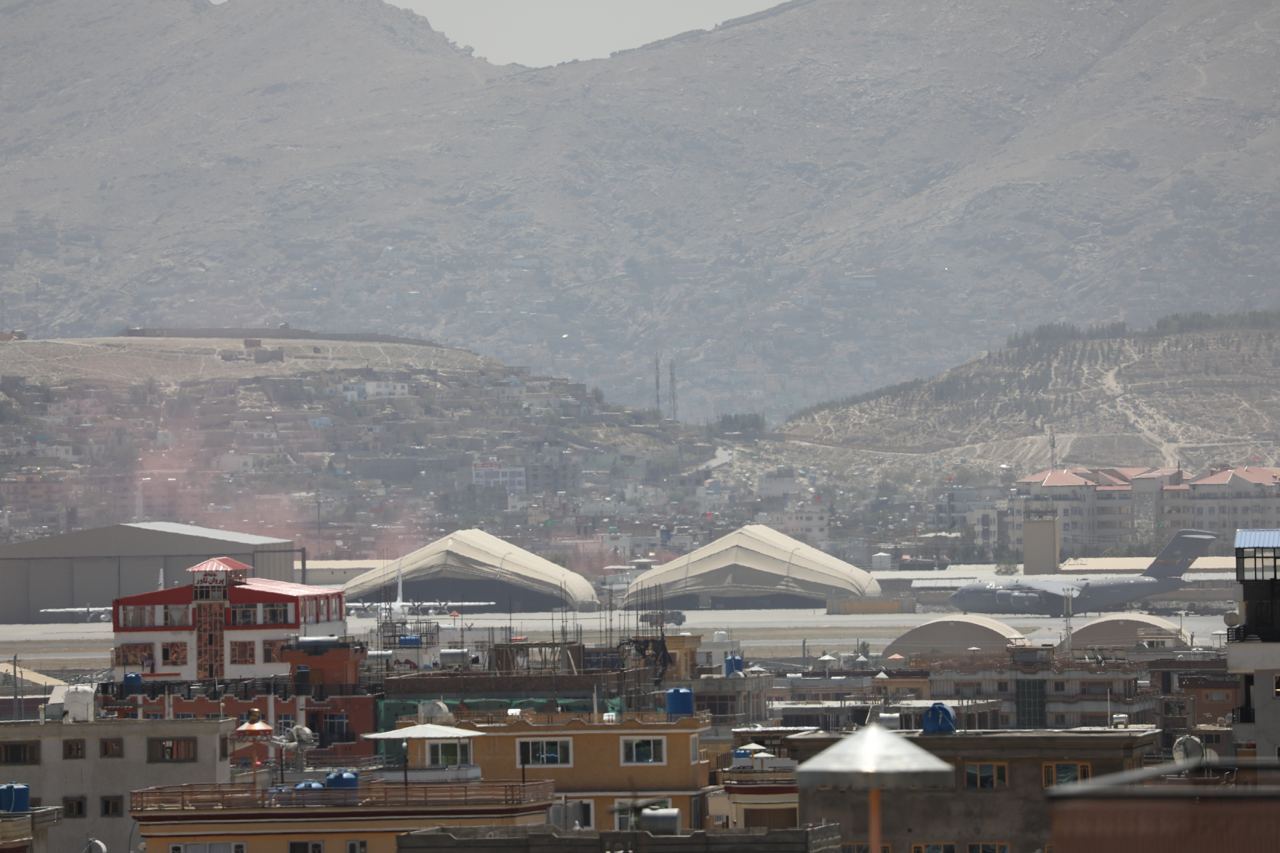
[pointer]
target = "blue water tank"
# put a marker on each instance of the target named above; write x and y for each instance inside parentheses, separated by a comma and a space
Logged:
(342, 779)
(732, 664)
(938, 720)
(132, 683)
(310, 785)
(21, 798)
(679, 702)
(6, 797)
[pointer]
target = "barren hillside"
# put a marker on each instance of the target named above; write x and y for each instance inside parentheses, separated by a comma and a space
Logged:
(831, 196)
(1197, 398)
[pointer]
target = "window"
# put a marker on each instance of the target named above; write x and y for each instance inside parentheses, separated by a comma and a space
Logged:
(450, 754)
(1059, 686)
(1064, 772)
(178, 615)
(242, 651)
(273, 650)
(284, 722)
(693, 749)
(643, 750)
(173, 654)
(357, 847)
(1002, 686)
(933, 848)
(73, 806)
(243, 614)
(132, 654)
(335, 727)
(20, 752)
(306, 847)
(275, 614)
(111, 747)
(170, 750)
(988, 847)
(224, 747)
(209, 592)
(986, 776)
(73, 748)
(545, 752)
(864, 847)
(112, 807)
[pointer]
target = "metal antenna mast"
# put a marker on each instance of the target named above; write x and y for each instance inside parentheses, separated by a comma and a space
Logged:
(657, 385)
(671, 389)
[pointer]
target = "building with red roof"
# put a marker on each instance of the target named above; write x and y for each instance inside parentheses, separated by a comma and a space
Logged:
(1111, 510)
(1099, 510)
(225, 624)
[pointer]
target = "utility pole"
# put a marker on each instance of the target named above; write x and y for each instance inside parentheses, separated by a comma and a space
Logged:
(671, 389)
(657, 385)
(17, 702)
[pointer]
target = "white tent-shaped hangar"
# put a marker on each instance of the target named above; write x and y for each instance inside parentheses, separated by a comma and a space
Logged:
(754, 566)
(471, 565)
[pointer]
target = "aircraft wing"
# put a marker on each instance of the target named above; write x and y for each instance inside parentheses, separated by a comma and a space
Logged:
(1061, 587)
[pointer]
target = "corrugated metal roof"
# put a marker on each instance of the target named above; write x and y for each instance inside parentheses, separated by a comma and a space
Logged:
(1258, 538)
(206, 532)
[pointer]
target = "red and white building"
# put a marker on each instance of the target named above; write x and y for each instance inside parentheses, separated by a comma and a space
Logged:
(224, 625)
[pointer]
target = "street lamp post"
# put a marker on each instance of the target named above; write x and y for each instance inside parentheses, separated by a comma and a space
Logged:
(404, 744)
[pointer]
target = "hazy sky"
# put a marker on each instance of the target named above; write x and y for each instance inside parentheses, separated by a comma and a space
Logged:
(544, 32)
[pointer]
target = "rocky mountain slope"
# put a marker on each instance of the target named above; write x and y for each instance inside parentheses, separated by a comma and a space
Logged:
(1195, 398)
(826, 197)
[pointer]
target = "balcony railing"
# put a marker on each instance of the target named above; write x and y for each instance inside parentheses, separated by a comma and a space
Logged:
(15, 829)
(376, 796)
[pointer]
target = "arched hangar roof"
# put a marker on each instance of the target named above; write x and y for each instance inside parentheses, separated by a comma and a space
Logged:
(473, 555)
(755, 561)
(1125, 630)
(952, 636)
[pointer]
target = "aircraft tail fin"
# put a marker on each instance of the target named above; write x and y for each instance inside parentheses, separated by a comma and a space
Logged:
(1179, 553)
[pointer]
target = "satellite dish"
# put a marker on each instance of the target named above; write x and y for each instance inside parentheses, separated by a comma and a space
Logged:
(1188, 748)
(1231, 619)
(302, 735)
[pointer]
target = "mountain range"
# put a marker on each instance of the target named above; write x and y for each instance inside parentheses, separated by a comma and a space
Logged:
(798, 205)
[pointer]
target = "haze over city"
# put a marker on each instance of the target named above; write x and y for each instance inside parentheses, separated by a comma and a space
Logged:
(832, 425)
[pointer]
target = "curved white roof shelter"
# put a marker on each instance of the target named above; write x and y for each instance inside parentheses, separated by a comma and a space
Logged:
(754, 562)
(956, 636)
(1128, 631)
(480, 559)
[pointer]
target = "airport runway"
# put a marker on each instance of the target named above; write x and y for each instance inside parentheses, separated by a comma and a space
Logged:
(762, 633)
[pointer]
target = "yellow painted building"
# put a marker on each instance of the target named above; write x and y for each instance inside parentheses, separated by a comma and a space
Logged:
(601, 769)
(243, 819)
